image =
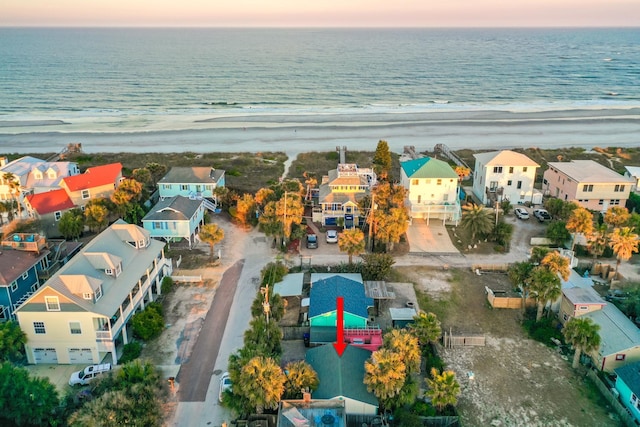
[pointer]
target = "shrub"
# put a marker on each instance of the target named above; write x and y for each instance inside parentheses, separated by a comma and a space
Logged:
(543, 330)
(130, 352)
(149, 323)
(167, 285)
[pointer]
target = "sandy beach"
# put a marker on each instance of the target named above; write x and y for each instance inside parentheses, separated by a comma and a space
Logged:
(295, 133)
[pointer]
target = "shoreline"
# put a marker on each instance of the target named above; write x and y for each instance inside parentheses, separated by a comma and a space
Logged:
(296, 133)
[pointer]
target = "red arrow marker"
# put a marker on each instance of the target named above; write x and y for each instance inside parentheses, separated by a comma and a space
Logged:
(340, 345)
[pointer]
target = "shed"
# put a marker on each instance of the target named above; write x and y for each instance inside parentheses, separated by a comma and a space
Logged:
(401, 317)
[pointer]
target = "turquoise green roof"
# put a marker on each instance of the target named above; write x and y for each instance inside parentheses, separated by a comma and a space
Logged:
(428, 167)
(340, 376)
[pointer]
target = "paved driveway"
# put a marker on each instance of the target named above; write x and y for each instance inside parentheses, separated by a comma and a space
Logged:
(429, 239)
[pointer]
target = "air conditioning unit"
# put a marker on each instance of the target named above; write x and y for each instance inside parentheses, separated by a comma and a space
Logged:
(615, 393)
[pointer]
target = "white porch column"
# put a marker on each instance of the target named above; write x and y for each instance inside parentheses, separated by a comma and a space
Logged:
(125, 338)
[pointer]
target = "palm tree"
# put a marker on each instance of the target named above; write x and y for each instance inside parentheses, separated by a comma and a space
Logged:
(580, 222)
(211, 234)
(583, 336)
(406, 344)
(477, 220)
(519, 274)
(443, 389)
(384, 375)
(289, 211)
(616, 216)
(14, 190)
(598, 240)
(557, 264)
(300, 376)
(352, 242)
(624, 243)
(96, 216)
(545, 286)
(426, 327)
(261, 382)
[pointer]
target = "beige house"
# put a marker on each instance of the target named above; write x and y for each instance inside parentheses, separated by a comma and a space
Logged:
(505, 175)
(339, 194)
(94, 183)
(579, 301)
(587, 183)
(81, 314)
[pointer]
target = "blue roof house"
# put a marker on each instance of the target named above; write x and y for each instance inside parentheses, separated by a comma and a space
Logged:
(322, 306)
(628, 386)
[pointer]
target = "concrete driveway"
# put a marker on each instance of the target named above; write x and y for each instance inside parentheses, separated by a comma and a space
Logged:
(429, 239)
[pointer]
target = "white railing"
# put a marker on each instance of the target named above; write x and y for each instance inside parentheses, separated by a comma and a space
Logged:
(103, 336)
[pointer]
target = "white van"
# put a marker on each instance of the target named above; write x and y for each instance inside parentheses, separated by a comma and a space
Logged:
(87, 374)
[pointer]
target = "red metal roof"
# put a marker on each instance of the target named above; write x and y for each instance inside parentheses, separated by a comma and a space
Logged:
(96, 176)
(51, 201)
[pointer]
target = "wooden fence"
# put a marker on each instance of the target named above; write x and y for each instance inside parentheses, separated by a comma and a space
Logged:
(450, 340)
(499, 301)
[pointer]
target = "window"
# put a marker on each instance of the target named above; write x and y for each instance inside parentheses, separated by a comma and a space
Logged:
(166, 186)
(615, 201)
(524, 169)
(522, 197)
(108, 272)
(445, 198)
(439, 182)
(52, 303)
(25, 275)
(419, 198)
(157, 225)
(510, 169)
(493, 185)
(85, 194)
(87, 296)
(414, 182)
(57, 215)
(497, 169)
(509, 183)
(583, 308)
(619, 187)
(620, 356)
(601, 202)
(74, 328)
(52, 175)
(14, 286)
(587, 187)
(184, 187)
(519, 185)
(38, 328)
(98, 292)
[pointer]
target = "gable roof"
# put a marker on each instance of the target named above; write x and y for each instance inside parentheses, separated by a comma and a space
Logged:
(192, 175)
(96, 176)
(633, 171)
(583, 296)
(176, 208)
(324, 293)
(504, 158)
(50, 201)
(630, 375)
(340, 376)
(14, 263)
(589, 171)
(428, 167)
(617, 332)
(79, 274)
(290, 285)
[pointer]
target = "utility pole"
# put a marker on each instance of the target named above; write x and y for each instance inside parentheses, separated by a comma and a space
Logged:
(371, 220)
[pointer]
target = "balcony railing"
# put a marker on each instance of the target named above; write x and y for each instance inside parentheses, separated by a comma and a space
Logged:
(30, 242)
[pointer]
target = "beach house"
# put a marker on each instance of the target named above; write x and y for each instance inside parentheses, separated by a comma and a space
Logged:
(505, 175)
(433, 189)
(96, 182)
(342, 378)
(30, 175)
(587, 183)
(48, 208)
(175, 218)
(339, 194)
(193, 183)
(628, 387)
(81, 314)
(633, 172)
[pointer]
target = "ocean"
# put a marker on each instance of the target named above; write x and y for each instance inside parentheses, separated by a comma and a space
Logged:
(65, 83)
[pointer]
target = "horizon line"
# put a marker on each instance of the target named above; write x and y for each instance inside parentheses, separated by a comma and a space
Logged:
(316, 27)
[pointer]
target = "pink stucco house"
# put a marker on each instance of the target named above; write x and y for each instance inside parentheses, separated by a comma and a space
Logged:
(587, 183)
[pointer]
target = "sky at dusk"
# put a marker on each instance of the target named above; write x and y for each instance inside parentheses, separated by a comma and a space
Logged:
(327, 13)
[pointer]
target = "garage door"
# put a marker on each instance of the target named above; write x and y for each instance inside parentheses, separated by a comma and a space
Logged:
(80, 355)
(45, 355)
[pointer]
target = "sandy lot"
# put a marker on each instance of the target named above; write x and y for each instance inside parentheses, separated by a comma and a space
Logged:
(517, 381)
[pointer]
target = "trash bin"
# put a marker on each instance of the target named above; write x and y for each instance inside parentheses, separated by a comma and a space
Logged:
(306, 338)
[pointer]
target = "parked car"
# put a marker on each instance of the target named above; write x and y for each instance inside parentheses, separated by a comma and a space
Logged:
(521, 213)
(312, 241)
(541, 214)
(616, 295)
(332, 236)
(89, 373)
(225, 384)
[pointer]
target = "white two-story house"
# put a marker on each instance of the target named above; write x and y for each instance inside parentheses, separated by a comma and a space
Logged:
(81, 314)
(432, 187)
(505, 175)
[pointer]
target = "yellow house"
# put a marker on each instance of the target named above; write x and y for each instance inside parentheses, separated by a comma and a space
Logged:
(80, 314)
(96, 182)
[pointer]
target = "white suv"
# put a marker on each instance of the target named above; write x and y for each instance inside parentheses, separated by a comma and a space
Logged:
(89, 373)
